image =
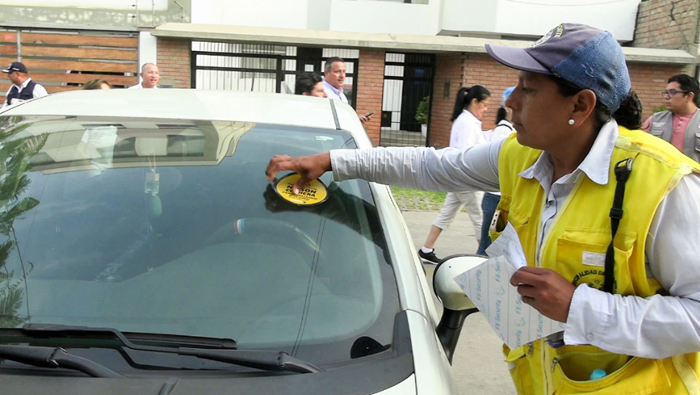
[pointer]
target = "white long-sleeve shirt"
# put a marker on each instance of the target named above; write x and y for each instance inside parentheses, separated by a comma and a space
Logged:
(466, 131)
(653, 327)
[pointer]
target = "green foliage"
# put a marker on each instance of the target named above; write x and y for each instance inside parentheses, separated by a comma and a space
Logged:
(14, 163)
(659, 109)
(415, 200)
(422, 110)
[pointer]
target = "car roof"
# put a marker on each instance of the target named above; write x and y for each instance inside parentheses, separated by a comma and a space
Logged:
(196, 104)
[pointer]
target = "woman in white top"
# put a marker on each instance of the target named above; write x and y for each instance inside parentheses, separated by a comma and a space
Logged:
(470, 106)
(490, 200)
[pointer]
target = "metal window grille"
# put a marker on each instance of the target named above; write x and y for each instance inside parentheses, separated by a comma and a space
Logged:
(408, 80)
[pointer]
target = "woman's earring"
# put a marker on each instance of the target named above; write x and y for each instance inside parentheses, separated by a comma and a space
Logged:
(571, 121)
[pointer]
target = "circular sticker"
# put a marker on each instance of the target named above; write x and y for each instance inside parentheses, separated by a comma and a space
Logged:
(313, 193)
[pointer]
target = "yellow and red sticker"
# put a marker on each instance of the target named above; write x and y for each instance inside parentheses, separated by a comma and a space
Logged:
(312, 193)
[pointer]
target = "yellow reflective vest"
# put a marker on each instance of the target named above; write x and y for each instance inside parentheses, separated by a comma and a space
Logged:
(583, 226)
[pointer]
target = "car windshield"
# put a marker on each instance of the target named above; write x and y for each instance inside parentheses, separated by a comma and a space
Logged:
(169, 226)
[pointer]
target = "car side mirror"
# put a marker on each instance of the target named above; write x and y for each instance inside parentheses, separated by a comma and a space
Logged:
(456, 304)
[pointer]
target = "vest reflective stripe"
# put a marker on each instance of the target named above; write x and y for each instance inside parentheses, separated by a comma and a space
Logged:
(687, 374)
(662, 126)
(574, 247)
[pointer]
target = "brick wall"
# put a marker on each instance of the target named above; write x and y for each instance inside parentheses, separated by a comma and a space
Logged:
(483, 70)
(448, 79)
(670, 24)
(174, 62)
(370, 89)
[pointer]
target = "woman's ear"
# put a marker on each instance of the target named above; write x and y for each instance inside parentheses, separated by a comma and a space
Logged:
(584, 106)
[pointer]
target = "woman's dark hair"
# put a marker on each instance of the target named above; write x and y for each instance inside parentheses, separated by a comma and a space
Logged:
(306, 82)
(628, 115)
(465, 96)
(501, 114)
(96, 84)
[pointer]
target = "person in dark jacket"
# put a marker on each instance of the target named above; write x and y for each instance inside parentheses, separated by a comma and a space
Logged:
(23, 88)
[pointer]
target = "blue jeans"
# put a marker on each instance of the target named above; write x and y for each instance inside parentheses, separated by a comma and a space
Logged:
(488, 207)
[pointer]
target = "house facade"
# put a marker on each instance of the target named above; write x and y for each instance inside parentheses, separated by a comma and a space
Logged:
(398, 53)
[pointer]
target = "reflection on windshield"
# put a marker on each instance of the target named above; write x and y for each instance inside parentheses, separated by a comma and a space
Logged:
(165, 226)
(13, 183)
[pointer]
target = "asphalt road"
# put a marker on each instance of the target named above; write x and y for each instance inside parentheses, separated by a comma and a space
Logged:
(477, 366)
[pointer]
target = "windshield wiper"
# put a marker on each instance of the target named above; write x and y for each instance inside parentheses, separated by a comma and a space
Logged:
(77, 331)
(53, 357)
(264, 360)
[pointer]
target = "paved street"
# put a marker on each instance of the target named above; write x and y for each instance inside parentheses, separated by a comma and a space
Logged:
(478, 365)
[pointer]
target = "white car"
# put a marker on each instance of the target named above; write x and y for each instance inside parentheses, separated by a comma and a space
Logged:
(142, 246)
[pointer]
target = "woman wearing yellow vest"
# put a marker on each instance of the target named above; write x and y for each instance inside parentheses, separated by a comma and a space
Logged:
(631, 307)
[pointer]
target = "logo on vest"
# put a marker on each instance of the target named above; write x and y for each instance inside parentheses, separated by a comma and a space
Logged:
(593, 277)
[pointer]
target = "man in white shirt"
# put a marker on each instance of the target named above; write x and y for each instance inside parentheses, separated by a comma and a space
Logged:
(150, 75)
(334, 73)
(23, 88)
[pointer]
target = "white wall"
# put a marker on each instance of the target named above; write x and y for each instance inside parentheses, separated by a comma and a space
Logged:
(462, 17)
(469, 15)
(160, 5)
(618, 17)
(290, 14)
(148, 50)
(385, 17)
(534, 18)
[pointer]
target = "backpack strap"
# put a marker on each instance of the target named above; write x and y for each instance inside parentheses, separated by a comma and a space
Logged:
(623, 169)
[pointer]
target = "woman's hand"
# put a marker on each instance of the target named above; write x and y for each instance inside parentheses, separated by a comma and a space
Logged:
(545, 290)
(309, 167)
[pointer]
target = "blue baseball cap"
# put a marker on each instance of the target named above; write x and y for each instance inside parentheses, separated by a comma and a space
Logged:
(587, 57)
(506, 93)
(16, 66)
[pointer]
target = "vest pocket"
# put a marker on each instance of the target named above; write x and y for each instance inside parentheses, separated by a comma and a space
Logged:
(572, 368)
(697, 142)
(518, 221)
(581, 258)
(519, 368)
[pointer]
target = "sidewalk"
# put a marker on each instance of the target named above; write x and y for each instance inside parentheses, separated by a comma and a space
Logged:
(457, 239)
(478, 366)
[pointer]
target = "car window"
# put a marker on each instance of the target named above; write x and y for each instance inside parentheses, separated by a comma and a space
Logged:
(169, 226)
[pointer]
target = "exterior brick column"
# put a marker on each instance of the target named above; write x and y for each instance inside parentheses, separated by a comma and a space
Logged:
(370, 89)
(174, 62)
(449, 73)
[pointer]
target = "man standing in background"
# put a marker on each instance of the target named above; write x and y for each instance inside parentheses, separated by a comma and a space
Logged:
(150, 75)
(23, 88)
(334, 73)
(680, 125)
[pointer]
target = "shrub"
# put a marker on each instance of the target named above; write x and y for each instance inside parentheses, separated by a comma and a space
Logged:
(422, 110)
